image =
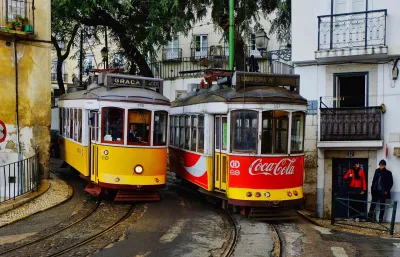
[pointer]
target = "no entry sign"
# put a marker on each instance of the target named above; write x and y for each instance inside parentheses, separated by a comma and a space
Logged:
(3, 131)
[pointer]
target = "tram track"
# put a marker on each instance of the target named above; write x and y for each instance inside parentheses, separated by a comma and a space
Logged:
(58, 231)
(93, 237)
(233, 237)
(281, 246)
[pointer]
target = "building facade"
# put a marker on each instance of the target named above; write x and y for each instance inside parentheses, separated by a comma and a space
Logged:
(25, 52)
(346, 53)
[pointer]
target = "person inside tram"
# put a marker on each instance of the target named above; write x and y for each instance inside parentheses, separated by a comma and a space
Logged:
(133, 134)
(357, 186)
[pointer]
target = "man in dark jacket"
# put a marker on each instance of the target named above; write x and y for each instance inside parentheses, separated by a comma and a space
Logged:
(380, 189)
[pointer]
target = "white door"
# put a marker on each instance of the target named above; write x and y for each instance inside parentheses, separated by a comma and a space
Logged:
(349, 29)
(201, 47)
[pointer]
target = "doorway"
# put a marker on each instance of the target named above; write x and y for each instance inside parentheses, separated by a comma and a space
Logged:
(220, 152)
(340, 167)
(351, 90)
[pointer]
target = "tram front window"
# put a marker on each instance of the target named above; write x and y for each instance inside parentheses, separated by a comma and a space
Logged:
(200, 145)
(244, 131)
(139, 122)
(274, 132)
(113, 125)
(297, 140)
(160, 128)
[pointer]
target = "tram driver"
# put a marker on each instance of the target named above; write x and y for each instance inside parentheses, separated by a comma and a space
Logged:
(133, 134)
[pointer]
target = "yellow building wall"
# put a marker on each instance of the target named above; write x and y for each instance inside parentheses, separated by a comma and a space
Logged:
(34, 91)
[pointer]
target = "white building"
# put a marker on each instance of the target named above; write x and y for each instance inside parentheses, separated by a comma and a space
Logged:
(345, 52)
(182, 62)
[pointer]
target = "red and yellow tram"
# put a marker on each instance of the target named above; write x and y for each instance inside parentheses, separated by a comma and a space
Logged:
(244, 142)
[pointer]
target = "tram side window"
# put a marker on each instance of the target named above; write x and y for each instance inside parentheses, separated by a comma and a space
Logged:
(297, 140)
(80, 126)
(274, 132)
(171, 130)
(113, 125)
(182, 131)
(200, 144)
(70, 123)
(160, 128)
(139, 123)
(244, 131)
(187, 132)
(65, 122)
(60, 120)
(194, 133)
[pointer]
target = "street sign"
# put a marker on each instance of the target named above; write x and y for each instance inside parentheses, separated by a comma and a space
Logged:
(3, 131)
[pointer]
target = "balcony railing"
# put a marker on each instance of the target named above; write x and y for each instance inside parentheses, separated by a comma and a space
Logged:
(189, 66)
(172, 54)
(359, 29)
(54, 77)
(218, 51)
(350, 124)
(17, 17)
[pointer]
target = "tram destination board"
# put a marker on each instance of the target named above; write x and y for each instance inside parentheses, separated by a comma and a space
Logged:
(114, 80)
(252, 79)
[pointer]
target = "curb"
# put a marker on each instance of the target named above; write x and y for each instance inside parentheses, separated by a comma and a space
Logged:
(346, 231)
(27, 198)
(69, 196)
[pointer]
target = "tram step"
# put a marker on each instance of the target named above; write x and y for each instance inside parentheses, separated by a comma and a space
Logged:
(93, 189)
(136, 196)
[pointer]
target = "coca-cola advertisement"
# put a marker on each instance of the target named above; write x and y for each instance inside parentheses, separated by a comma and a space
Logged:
(266, 172)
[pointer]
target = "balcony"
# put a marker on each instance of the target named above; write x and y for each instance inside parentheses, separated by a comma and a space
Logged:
(348, 127)
(54, 77)
(17, 18)
(352, 34)
(172, 54)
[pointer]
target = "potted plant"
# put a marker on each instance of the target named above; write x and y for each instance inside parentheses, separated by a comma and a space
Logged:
(9, 24)
(18, 25)
(25, 21)
(18, 18)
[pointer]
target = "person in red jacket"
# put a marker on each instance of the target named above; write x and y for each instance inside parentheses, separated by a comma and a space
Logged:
(357, 186)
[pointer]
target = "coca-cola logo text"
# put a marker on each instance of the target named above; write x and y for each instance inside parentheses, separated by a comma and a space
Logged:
(283, 167)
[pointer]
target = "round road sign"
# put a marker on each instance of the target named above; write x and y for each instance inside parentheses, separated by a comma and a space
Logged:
(3, 131)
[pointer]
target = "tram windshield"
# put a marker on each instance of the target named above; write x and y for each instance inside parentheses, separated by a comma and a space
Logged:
(113, 125)
(139, 122)
(160, 128)
(244, 131)
(297, 140)
(275, 126)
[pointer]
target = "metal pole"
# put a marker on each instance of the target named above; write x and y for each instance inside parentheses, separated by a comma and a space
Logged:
(106, 41)
(81, 57)
(393, 217)
(331, 30)
(231, 34)
(333, 210)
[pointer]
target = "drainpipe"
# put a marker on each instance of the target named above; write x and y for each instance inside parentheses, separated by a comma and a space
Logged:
(320, 183)
(17, 116)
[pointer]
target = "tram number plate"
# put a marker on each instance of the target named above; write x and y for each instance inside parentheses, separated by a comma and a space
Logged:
(277, 106)
(140, 105)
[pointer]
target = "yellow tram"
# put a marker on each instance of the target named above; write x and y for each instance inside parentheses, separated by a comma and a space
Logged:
(242, 141)
(115, 134)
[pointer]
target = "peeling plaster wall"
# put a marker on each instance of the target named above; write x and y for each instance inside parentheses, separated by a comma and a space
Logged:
(34, 89)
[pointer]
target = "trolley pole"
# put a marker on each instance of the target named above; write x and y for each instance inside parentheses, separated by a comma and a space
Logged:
(231, 34)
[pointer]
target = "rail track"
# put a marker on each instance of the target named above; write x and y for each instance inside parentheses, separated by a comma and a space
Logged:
(281, 250)
(233, 237)
(90, 213)
(93, 237)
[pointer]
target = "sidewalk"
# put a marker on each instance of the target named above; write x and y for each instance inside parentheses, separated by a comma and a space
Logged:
(51, 193)
(347, 226)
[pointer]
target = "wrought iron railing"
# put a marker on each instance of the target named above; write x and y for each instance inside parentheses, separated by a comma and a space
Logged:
(347, 30)
(17, 15)
(219, 51)
(194, 67)
(350, 124)
(172, 54)
(19, 178)
(54, 77)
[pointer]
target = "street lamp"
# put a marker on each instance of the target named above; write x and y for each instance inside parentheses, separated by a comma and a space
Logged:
(261, 40)
(104, 54)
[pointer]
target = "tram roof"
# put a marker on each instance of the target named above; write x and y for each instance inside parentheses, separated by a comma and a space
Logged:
(254, 94)
(123, 93)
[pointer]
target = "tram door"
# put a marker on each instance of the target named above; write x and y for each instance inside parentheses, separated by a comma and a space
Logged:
(94, 138)
(220, 153)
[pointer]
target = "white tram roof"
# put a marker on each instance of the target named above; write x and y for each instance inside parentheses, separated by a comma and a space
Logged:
(123, 93)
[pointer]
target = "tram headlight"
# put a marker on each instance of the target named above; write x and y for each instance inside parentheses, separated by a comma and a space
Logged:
(295, 193)
(138, 169)
(289, 194)
(249, 194)
(258, 194)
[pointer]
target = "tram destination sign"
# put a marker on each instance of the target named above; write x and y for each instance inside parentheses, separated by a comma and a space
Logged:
(114, 80)
(251, 79)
